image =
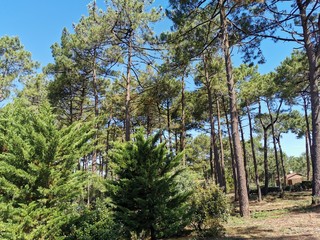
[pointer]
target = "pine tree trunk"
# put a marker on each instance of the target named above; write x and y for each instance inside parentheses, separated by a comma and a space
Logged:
(107, 149)
(243, 193)
(82, 99)
(255, 164)
(312, 51)
(176, 139)
(307, 155)
(265, 154)
(284, 173)
(307, 136)
(275, 150)
(221, 147)
(214, 153)
(244, 153)
(183, 119)
(153, 233)
(265, 161)
(71, 108)
(96, 112)
(159, 121)
(148, 125)
(169, 127)
(128, 90)
(234, 171)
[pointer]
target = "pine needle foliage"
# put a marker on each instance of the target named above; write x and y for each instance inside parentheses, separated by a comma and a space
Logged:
(148, 201)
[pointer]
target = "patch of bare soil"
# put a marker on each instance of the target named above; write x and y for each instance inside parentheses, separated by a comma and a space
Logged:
(289, 218)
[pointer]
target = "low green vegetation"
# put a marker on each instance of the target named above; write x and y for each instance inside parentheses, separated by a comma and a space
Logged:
(42, 197)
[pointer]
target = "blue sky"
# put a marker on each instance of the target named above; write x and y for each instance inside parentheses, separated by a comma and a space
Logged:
(39, 23)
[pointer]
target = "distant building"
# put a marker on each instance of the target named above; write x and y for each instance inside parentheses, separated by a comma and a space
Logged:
(293, 178)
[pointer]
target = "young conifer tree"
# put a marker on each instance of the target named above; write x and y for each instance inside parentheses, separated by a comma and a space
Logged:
(146, 194)
(41, 193)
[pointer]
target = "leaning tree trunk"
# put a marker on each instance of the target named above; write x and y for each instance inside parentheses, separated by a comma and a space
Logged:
(255, 164)
(243, 193)
(282, 161)
(313, 50)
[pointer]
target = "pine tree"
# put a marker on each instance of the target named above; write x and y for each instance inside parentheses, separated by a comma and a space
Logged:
(131, 22)
(15, 62)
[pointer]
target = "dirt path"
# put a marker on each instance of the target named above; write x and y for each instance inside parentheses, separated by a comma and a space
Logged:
(274, 218)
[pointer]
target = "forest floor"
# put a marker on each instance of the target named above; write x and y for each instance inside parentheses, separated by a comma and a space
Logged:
(288, 218)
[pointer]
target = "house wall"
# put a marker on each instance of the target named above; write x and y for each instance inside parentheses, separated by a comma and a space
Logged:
(294, 180)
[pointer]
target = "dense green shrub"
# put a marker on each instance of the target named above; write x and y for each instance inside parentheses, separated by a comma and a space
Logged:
(210, 208)
(95, 223)
(306, 185)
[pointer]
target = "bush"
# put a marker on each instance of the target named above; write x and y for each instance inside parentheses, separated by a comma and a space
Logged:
(270, 190)
(93, 223)
(287, 188)
(306, 185)
(210, 209)
(296, 187)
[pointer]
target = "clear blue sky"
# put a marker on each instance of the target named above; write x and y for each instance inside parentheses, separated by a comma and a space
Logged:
(39, 23)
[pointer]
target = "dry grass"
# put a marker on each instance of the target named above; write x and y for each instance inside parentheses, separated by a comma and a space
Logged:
(289, 218)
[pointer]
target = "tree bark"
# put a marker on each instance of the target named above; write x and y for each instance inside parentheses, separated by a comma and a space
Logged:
(221, 147)
(159, 120)
(153, 233)
(265, 152)
(275, 150)
(107, 149)
(169, 127)
(214, 153)
(128, 90)
(312, 50)
(307, 136)
(244, 153)
(96, 112)
(234, 171)
(307, 155)
(255, 164)
(183, 118)
(243, 193)
(282, 161)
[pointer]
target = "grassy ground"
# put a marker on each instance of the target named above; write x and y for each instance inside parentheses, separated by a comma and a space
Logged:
(289, 218)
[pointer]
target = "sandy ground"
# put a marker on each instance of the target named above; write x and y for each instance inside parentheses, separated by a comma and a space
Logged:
(274, 218)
